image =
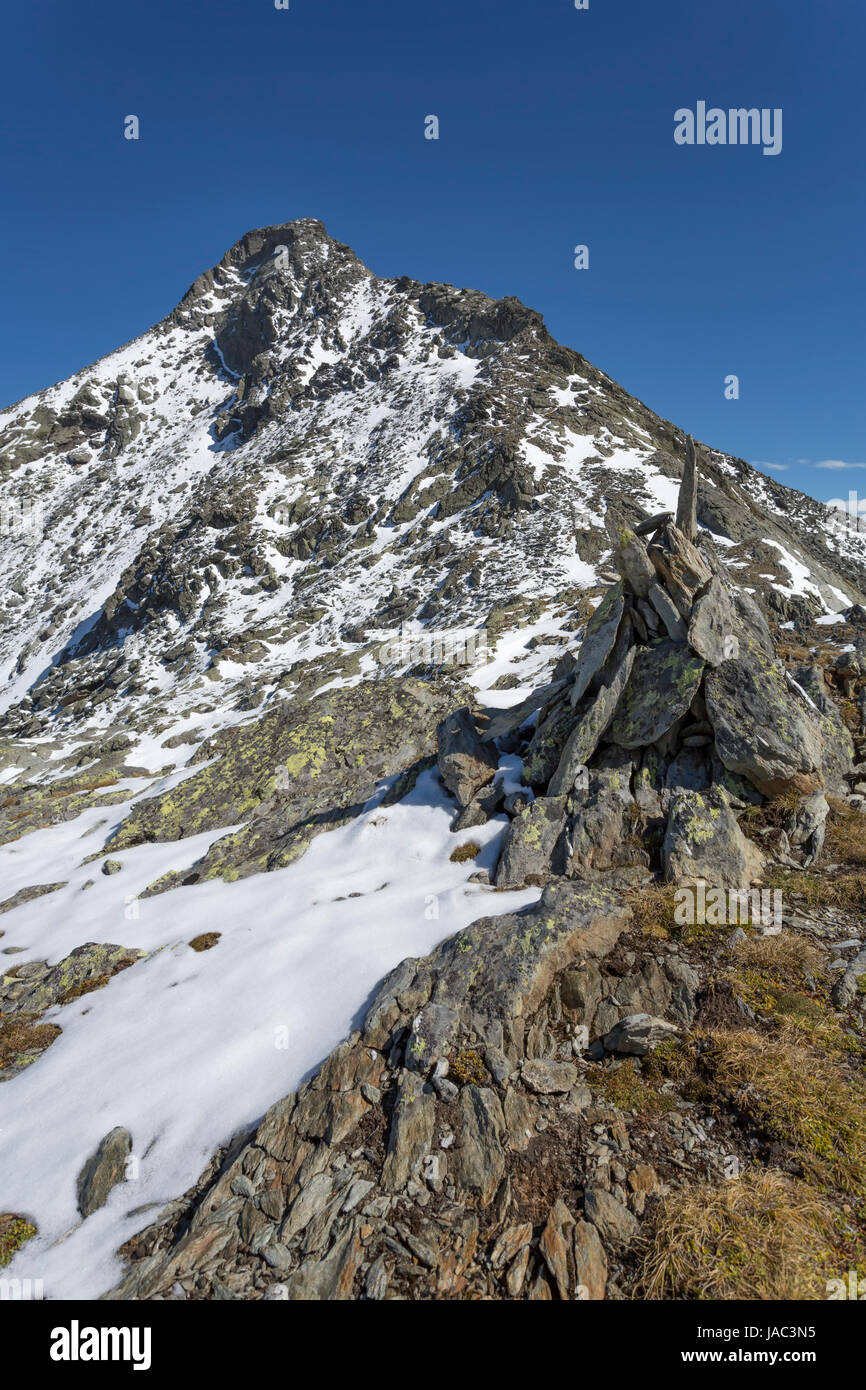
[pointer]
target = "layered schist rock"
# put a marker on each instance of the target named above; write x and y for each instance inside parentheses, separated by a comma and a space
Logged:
(676, 712)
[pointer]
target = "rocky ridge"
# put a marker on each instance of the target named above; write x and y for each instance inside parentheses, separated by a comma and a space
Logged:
(509, 1116)
(242, 508)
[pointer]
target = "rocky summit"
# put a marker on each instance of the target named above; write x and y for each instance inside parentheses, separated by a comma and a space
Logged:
(432, 820)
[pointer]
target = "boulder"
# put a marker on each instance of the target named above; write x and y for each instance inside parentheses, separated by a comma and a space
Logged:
(465, 763)
(763, 730)
(104, 1169)
(704, 842)
(530, 842)
(638, 1034)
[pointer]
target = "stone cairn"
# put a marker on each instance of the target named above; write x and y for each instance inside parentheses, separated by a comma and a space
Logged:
(675, 715)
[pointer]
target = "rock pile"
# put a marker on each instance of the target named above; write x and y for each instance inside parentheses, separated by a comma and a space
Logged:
(675, 714)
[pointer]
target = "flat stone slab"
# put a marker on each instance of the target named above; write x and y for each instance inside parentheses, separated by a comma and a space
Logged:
(598, 641)
(586, 737)
(712, 626)
(663, 682)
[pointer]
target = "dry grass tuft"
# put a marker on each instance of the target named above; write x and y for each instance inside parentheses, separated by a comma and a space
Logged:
(653, 911)
(21, 1034)
(846, 834)
(843, 890)
(206, 941)
(762, 1236)
(462, 853)
(787, 957)
(797, 1094)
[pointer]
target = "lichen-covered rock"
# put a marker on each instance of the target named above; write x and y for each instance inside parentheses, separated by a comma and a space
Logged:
(300, 768)
(499, 968)
(763, 730)
(703, 842)
(664, 680)
(86, 968)
(530, 842)
(598, 837)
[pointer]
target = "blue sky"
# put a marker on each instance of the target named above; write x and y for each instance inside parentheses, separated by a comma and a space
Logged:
(556, 129)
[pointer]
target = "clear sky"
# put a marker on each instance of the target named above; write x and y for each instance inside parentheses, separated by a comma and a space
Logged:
(556, 130)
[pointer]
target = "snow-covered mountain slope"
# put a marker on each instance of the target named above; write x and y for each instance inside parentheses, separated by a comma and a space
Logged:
(231, 549)
(301, 458)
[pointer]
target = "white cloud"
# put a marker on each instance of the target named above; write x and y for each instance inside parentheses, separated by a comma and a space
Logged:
(838, 464)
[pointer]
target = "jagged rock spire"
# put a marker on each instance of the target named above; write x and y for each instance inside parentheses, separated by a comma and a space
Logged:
(688, 499)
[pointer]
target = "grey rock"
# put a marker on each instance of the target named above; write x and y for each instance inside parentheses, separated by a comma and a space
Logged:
(763, 732)
(433, 1030)
(465, 763)
(668, 612)
(614, 1222)
(590, 1262)
(688, 494)
(712, 628)
(807, 826)
(598, 640)
(664, 680)
(847, 989)
(704, 842)
(547, 1078)
(278, 1257)
(681, 567)
(629, 555)
(587, 735)
(530, 842)
(411, 1133)
(638, 1034)
(480, 1162)
(105, 1168)
(689, 771)
(684, 988)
